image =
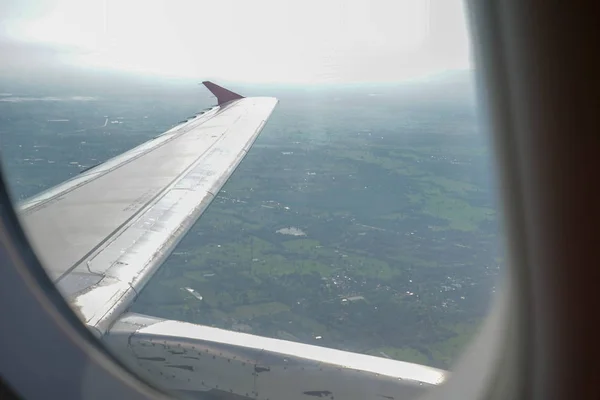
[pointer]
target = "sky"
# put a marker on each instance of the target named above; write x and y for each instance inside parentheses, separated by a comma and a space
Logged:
(254, 41)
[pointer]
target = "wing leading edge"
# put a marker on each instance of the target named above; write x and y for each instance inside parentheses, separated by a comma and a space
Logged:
(102, 234)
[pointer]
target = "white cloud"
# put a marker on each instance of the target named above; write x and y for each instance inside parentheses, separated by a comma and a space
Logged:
(259, 40)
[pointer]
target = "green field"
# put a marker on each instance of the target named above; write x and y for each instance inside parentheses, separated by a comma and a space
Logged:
(396, 258)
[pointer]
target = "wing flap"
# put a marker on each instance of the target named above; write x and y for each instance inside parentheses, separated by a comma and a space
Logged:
(103, 234)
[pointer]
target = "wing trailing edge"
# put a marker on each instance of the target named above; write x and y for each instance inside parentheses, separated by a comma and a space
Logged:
(223, 95)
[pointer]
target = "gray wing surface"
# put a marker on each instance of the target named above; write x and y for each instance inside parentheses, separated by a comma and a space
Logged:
(102, 234)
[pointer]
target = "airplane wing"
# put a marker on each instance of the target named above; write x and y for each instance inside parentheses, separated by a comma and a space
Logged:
(103, 234)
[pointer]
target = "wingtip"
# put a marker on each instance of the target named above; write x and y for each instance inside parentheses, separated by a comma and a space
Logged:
(223, 95)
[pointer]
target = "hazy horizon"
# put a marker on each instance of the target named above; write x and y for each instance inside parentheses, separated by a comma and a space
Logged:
(267, 42)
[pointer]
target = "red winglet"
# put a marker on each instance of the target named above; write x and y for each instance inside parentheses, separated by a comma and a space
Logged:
(223, 95)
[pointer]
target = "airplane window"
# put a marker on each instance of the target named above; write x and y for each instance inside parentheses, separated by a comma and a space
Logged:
(362, 218)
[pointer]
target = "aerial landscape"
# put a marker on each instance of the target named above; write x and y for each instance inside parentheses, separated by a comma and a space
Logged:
(364, 217)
